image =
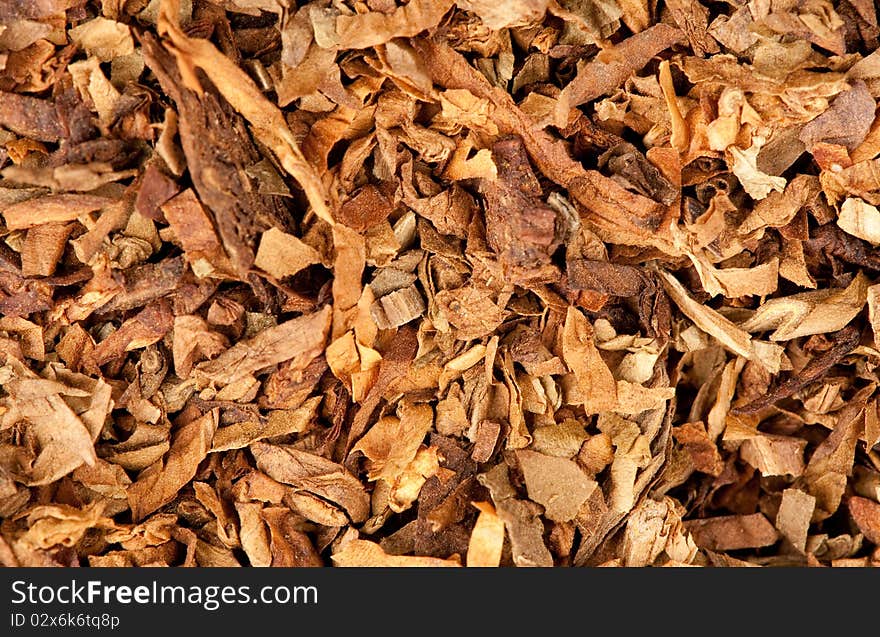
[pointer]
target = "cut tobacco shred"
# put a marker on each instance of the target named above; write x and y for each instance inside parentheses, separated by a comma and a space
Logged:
(436, 283)
(732, 532)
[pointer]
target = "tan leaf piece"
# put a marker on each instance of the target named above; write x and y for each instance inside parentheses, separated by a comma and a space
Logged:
(595, 382)
(817, 312)
(556, 483)
(364, 553)
(158, 485)
(487, 538)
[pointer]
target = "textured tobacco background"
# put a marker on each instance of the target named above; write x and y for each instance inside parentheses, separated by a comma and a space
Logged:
(507, 282)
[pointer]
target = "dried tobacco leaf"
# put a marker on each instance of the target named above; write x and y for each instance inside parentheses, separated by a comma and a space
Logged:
(241, 92)
(278, 423)
(818, 312)
(860, 219)
(487, 538)
(392, 443)
(254, 539)
(281, 254)
(519, 227)
(366, 553)
(63, 420)
(559, 485)
(793, 519)
(53, 525)
(520, 518)
(846, 122)
(470, 310)
(289, 546)
(826, 472)
(656, 528)
(497, 283)
(733, 532)
(594, 379)
(707, 319)
(299, 339)
(159, 483)
(314, 474)
(51, 209)
(844, 342)
(609, 71)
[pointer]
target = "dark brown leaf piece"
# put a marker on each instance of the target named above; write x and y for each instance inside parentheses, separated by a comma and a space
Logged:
(219, 151)
(519, 226)
(844, 342)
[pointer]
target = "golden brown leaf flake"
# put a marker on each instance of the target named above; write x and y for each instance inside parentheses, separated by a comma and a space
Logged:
(563, 440)
(147, 327)
(595, 381)
(470, 310)
(487, 538)
(29, 336)
(43, 247)
(507, 13)
(826, 472)
(61, 525)
(761, 280)
(817, 312)
(655, 529)
(364, 553)
(158, 484)
(408, 485)
(315, 509)
(64, 420)
(348, 272)
(485, 440)
(701, 449)
(392, 443)
(301, 339)
(596, 454)
(860, 219)
(779, 208)
(521, 520)
(774, 455)
(314, 474)
(242, 93)
(290, 546)
(707, 319)
(194, 340)
(398, 308)
(106, 39)
(279, 422)
(631, 453)
(378, 27)
(846, 122)
(607, 72)
(192, 226)
(744, 165)
(254, 538)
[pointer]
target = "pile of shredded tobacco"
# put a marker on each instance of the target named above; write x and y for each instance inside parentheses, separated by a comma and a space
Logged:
(439, 283)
